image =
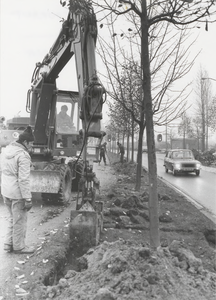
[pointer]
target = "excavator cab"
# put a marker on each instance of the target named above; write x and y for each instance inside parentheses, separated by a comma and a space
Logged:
(67, 140)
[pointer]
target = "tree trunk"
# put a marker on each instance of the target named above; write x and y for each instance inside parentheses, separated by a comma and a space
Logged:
(184, 142)
(139, 154)
(128, 146)
(132, 141)
(152, 166)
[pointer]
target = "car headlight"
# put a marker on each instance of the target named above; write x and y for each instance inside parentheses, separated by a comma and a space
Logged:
(177, 166)
(198, 165)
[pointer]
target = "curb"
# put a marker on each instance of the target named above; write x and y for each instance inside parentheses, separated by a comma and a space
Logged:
(200, 207)
(208, 169)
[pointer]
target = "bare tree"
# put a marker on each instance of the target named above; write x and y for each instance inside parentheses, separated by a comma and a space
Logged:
(180, 14)
(122, 123)
(203, 104)
(212, 114)
(122, 118)
(185, 128)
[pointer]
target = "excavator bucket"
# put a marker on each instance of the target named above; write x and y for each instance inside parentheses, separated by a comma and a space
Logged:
(45, 181)
(85, 227)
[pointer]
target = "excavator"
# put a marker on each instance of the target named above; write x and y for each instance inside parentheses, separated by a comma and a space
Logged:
(64, 121)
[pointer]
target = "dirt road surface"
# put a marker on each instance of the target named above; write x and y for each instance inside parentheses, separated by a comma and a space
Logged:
(41, 220)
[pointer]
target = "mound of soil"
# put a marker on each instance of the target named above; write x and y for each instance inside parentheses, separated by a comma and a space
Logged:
(126, 270)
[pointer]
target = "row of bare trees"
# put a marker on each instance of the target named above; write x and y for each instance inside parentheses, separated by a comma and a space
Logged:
(169, 61)
(154, 25)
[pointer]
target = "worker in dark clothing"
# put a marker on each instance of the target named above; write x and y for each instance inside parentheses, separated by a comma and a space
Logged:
(121, 151)
(103, 153)
(64, 121)
(16, 191)
(65, 127)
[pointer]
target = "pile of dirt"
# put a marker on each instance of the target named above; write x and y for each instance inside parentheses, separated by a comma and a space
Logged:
(127, 270)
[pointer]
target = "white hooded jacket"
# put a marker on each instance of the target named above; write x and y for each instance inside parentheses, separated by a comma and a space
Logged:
(15, 178)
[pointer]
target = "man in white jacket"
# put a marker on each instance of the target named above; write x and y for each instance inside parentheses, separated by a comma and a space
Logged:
(15, 189)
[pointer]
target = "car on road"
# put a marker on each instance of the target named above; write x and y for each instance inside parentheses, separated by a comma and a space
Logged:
(181, 161)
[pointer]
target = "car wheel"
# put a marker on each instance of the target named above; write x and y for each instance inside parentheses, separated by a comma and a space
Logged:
(166, 170)
(174, 172)
(197, 172)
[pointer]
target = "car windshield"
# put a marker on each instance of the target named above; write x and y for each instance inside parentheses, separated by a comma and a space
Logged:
(182, 155)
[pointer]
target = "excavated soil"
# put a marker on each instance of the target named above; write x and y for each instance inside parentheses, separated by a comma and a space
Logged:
(123, 266)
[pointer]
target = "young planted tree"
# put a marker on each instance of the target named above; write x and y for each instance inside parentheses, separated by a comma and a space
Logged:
(122, 118)
(179, 14)
(186, 129)
(129, 88)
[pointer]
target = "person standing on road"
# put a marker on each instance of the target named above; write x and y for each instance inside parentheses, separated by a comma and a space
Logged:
(121, 151)
(103, 153)
(15, 189)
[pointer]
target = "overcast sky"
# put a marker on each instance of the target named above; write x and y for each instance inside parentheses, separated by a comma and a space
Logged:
(28, 30)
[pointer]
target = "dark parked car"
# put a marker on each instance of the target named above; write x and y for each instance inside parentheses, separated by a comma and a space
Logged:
(181, 161)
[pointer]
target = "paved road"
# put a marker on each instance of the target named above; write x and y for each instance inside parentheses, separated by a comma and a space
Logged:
(201, 188)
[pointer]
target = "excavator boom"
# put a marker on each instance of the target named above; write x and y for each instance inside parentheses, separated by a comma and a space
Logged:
(77, 38)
